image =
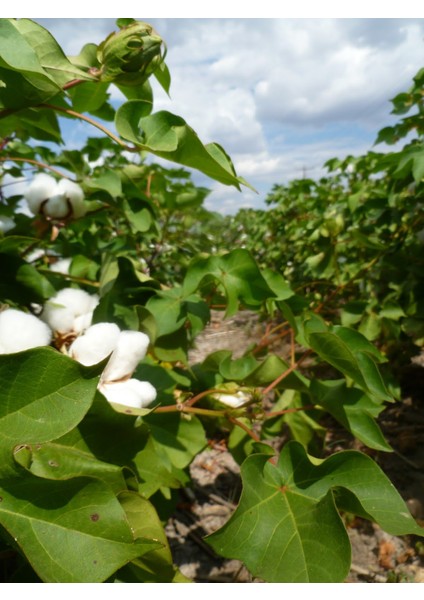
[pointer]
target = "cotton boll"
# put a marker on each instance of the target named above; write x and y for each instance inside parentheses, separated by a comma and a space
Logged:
(78, 301)
(130, 349)
(40, 189)
(82, 322)
(21, 331)
(75, 195)
(56, 207)
(6, 224)
(96, 344)
(61, 266)
(233, 400)
(132, 393)
(62, 311)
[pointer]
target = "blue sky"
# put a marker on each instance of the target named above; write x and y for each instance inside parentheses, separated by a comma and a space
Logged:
(281, 95)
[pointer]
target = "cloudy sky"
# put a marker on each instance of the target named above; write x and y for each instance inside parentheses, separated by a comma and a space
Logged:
(281, 95)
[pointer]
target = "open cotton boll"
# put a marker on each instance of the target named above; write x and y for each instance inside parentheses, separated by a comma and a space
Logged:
(40, 189)
(56, 207)
(6, 224)
(62, 311)
(130, 349)
(72, 191)
(96, 344)
(61, 266)
(132, 393)
(21, 331)
(233, 400)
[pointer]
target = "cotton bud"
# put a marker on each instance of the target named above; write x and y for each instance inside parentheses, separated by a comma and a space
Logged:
(22, 331)
(96, 344)
(71, 310)
(132, 392)
(6, 224)
(233, 400)
(57, 200)
(130, 349)
(130, 55)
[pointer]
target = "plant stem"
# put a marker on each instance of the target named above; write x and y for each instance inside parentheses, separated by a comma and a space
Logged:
(34, 162)
(73, 113)
(292, 368)
(245, 428)
(277, 413)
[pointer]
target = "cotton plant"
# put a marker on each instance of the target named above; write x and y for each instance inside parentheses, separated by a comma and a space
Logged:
(126, 350)
(22, 331)
(55, 199)
(70, 311)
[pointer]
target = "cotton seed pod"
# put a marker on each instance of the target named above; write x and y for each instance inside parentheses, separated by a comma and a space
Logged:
(96, 344)
(41, 188)
(233, 400)
(132, 392)
(130, 55)
(22, 331)
(57, 200)
(63, 311)
(73, 194)
(6, 224)
(130, 350)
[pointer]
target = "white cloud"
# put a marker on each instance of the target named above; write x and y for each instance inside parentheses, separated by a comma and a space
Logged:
(281, 95)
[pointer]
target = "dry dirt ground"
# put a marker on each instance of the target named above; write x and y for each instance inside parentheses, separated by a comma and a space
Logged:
(376, 556)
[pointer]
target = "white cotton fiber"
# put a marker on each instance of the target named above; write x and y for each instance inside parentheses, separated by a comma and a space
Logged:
(96, 344)
(21, 331)
(132, 393)
(62, 312)
(75, 195)
(233, 400)
(56, 207)
(41, 188)
(130, 350)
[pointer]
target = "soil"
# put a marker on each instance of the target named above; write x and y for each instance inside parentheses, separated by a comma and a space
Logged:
(376, 556)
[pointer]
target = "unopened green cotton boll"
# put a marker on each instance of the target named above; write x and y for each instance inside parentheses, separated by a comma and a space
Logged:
(132, 393)
(96, 344)
(22, 331)
(130, 55)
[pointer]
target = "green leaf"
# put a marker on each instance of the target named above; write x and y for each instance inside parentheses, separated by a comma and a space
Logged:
(353, 409)
(182, 437)
(49, 53)
(109, 181)
(352, 354)
(168, 136)
(157, 565)
(72, 531)
(88, 97)
(57, 461)
(239, 275)
(43, 395)
(287, 527)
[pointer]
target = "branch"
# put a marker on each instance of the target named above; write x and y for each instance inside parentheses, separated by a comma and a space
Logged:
(34, 162)
(73, 113)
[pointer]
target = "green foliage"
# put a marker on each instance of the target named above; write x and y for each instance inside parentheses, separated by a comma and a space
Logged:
(82, 479)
